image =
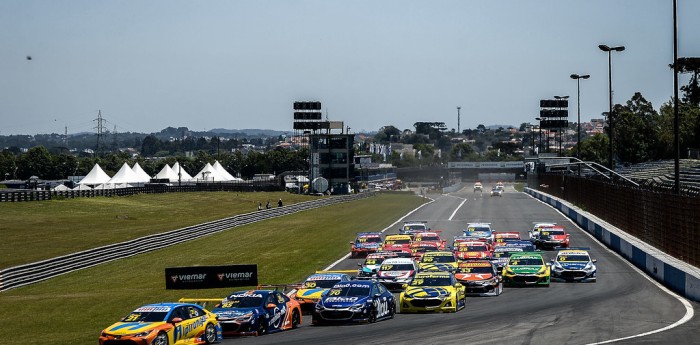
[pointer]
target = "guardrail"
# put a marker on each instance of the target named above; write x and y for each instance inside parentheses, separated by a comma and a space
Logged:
(675, 274)
(42, 270)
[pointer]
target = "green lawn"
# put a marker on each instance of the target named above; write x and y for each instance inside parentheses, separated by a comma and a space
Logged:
(38, 230)
(73, 308)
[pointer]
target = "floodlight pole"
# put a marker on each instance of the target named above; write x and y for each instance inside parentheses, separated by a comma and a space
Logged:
(609, 50)
(676, 143)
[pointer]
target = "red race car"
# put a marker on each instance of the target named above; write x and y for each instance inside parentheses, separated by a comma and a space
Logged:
(475, 250)
(430, 237)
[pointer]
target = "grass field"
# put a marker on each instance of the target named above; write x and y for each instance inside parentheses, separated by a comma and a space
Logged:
(34, 231)
(73, 308)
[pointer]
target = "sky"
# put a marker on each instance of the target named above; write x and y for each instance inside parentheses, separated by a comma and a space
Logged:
(240, 64)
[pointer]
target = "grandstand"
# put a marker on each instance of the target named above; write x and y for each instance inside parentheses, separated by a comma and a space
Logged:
(660, 175)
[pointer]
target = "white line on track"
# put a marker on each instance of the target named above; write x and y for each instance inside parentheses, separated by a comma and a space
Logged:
(689, 311)
(457, 209)
(385, 229)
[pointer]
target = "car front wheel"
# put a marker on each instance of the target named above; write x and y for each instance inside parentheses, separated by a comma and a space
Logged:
(161, 339)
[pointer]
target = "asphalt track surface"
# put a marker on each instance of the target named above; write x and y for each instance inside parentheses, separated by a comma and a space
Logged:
(622, 303)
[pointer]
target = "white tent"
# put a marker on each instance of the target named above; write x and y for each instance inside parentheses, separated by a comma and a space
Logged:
(61, 188)
(94, 177)
(142, 175)
(220, 169)
(104, 186)
(208, 173)
(167, 173)
(181, 173)
(124, 175)
(82, 187)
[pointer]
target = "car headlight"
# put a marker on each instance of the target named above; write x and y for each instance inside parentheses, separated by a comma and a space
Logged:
(542, 270)
(244, 318)
(357, 308)
(557, 266)
(589, 267)
(509, 271)
(142, 334)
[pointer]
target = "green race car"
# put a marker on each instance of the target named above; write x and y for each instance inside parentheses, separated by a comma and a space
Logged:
(526, 268)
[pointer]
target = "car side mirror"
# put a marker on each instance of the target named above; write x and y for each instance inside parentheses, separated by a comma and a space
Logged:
(551, 260)
(352, 242)
(271, 306)
(458, 285)
(594, 260)
(359, 264)
(176, 320)
(377, 295)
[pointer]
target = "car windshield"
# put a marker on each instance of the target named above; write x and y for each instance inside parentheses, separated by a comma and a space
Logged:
(573, 258)
(243, 300)
(478, 228)
(373, 261)
(414, 227)
(526, 262)
(349, 290)
(431, 281)
(485, 269)
(504, 254)
(438, 258)
(552, 232)
(401, 241)
(397, 267)
(369, 240)
(320, 284)
(428, 238)
(147, 314)
(475, 248)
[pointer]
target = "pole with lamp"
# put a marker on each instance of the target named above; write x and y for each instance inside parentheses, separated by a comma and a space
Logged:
(539, 142)
(609, 50)
(578, 78)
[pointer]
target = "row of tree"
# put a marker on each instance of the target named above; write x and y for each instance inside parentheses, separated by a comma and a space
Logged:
(38, 161)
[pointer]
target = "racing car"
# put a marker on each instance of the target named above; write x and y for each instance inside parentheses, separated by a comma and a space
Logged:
(478, 187)
(480, 230)
(473, 250)
(479, 277)
(164, 323)
(257, 312)
(574, 265)
(420, 248)
(537, 226)
(368, 269)
(397, 243)
(396, 273)
(433, 292)
(551, 238)
(495, 191)
(501, 254)
(316, 284)
(430, 236)
(355, 301)
(526, 268)
(438, 261)
(365, 243)
(503, 237)
(412, 227)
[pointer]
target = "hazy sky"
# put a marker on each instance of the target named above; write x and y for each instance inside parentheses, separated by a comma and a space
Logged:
(241, 64)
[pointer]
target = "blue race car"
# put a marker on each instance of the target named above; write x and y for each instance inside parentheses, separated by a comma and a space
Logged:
(355, 301)
(574, 265)
(257, 312)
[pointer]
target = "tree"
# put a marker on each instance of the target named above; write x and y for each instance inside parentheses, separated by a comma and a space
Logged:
(150, 145)
(432, 129)
(595, 149)
(35, 162)
(689, 128)
(636, 131)
(691, 92)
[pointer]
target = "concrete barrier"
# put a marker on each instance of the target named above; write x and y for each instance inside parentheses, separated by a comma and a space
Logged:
(675, 274)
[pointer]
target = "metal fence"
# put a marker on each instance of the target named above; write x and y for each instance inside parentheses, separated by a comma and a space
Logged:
(662, 219)
(20, 195)
(35, 272)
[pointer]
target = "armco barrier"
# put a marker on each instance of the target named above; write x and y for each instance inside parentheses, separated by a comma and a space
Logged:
(675, 274)
(35, 272)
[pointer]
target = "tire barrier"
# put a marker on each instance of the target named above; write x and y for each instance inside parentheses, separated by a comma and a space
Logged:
(26, 274)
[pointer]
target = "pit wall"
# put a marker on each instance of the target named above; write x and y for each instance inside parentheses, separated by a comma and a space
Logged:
(676, 275)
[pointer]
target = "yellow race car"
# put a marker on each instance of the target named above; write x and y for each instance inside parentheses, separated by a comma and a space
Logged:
(433, 292)
(165, 323)
(438, 261)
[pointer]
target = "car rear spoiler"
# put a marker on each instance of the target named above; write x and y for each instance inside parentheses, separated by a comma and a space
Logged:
(287, 289)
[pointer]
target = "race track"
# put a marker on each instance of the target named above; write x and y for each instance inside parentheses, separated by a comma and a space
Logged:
(623, 303)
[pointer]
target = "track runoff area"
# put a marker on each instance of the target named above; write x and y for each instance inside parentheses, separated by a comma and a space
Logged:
(623, 306)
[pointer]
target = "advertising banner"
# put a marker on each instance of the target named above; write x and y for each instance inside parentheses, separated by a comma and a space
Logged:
(210, 277)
